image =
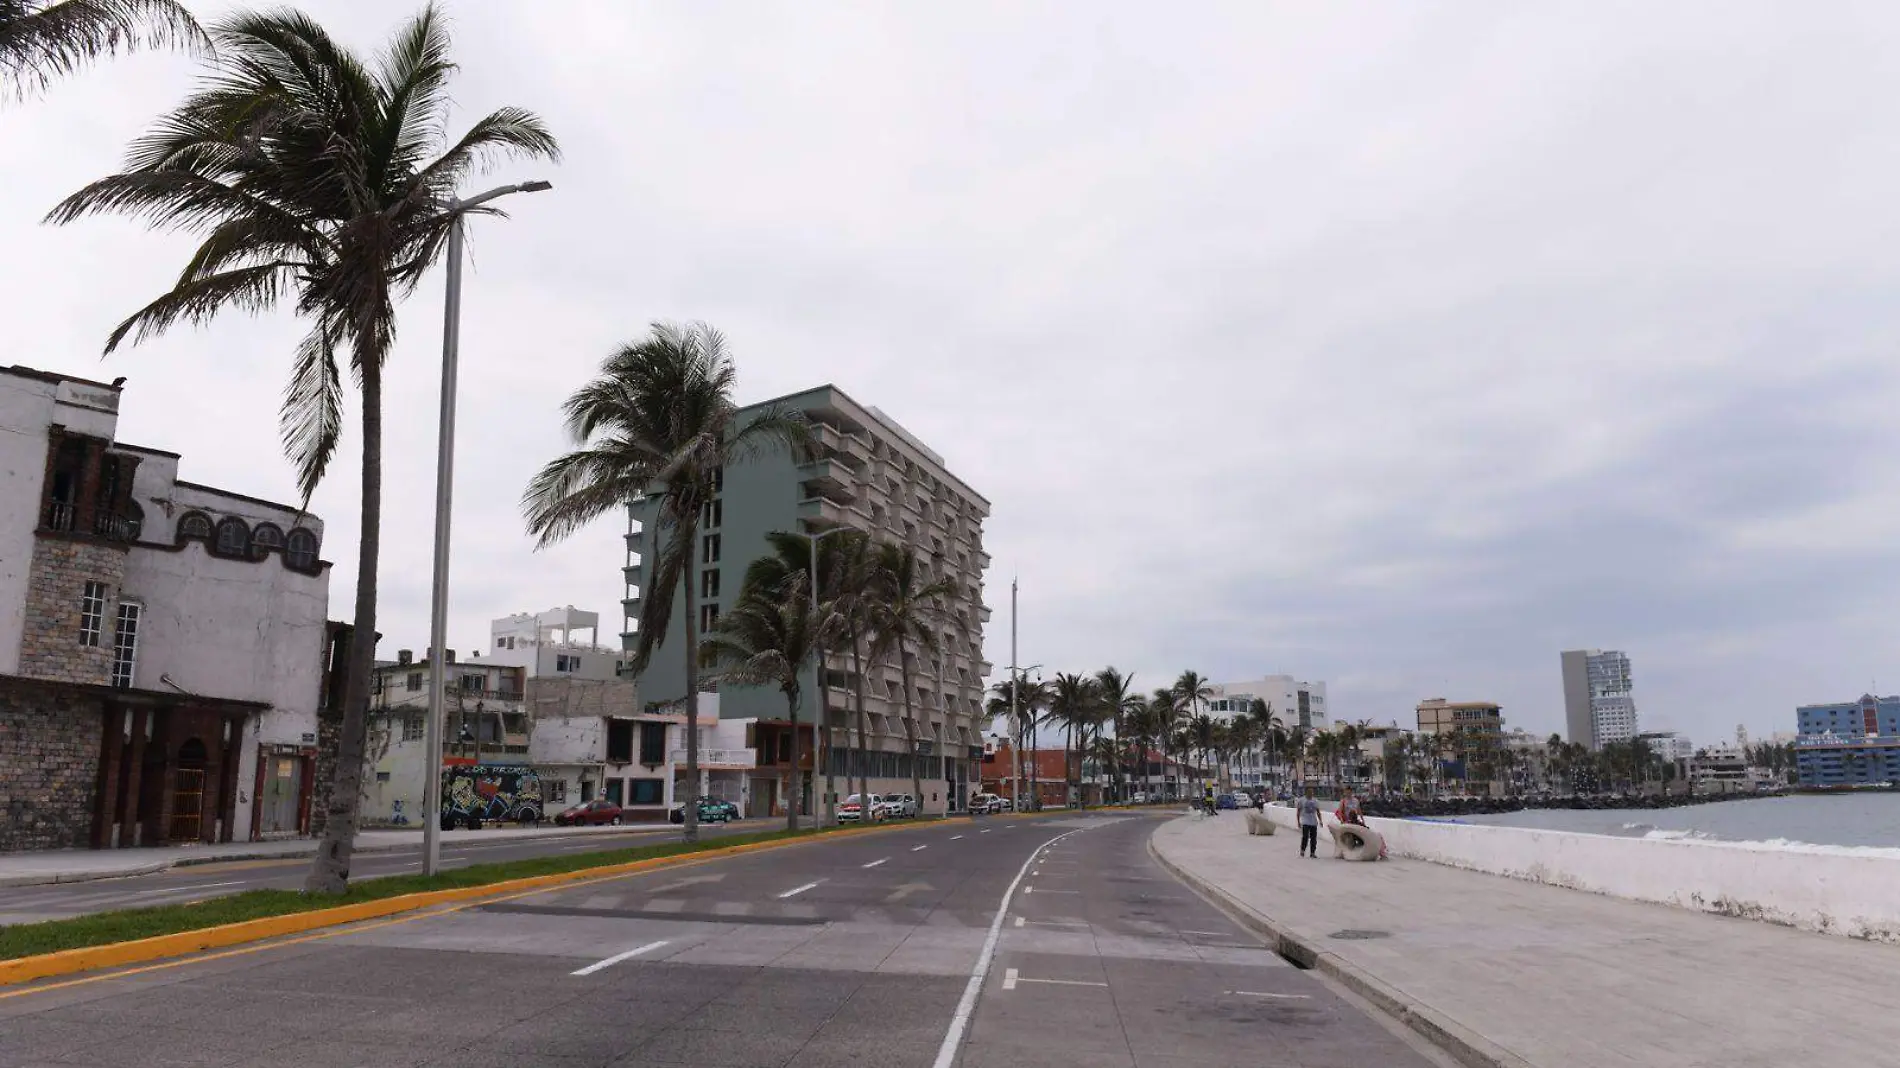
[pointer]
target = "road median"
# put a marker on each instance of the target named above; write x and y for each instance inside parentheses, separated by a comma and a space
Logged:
(36, 951)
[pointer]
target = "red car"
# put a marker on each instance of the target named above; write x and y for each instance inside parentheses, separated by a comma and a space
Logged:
(589, 814)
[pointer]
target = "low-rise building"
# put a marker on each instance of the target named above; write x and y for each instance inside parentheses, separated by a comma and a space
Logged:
(1295, 702)
(1853, 743)
(164, 645)
(484, 722)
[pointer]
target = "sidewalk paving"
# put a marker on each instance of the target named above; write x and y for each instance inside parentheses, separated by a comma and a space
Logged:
(1526, 974)
(82, 865)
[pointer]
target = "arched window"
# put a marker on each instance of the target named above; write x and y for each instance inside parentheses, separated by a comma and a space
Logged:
(194, 525)
(300, 550)
(234, 538)
(264, 538)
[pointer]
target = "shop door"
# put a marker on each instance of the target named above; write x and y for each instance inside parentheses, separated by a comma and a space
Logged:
(283, 790)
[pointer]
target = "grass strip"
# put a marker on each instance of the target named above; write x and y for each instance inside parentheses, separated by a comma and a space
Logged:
(125, 925)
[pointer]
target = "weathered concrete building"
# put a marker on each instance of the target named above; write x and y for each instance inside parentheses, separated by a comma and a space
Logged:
(162, 643)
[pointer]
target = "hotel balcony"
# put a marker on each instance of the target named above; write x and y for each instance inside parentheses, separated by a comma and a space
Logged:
(822, 511)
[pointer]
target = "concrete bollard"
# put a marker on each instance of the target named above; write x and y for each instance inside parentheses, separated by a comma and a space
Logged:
(1258, 823)
(1355, 842)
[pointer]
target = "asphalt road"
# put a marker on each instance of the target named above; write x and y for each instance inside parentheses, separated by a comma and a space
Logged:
(1043, 943)
(30, 904)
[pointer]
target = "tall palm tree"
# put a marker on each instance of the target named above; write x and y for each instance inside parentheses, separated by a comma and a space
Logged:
(1031, 695)
(1119, 700)
(1165, 707)
(42, 41)
(1268, 727)
(658, 422)
(315, 176)
(767, 639)
(905, 613)
(1202, 732)
(1072, 708)
(1192, 688)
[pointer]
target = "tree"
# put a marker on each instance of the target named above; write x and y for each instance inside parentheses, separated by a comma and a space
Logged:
(1268, 728)
(658, 422)
(1119, 701)
(766, 639)
(1072, 707)
(905, 612)
(310, 174)
(42, 41)
(1031, 696)
(1165, 707)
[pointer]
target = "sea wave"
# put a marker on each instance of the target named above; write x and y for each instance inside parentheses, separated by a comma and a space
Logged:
(1775, 845)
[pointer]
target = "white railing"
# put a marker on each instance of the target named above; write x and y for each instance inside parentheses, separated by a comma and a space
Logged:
(743, 758)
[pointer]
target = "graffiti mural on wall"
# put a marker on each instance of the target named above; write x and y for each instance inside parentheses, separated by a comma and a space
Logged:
(476, 793)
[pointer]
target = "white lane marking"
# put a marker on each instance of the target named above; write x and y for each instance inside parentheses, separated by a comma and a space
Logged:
(1027, 890)
(953, 1037)
(194, 886)
(1059, 982)
(799, 889)
(1009, 978)
(1019, 921)
(954, 837)
(1212, 934)
(876, 862)
(617, 958)
(916, 848)
(1258, 994)
(985, 830)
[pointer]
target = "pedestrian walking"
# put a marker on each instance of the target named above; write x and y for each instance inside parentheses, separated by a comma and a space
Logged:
(1309, 824)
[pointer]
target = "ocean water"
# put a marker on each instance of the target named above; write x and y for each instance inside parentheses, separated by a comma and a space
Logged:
(1863, 823)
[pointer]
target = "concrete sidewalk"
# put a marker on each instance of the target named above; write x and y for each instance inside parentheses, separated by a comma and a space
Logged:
(83, 865)
(1518, 973)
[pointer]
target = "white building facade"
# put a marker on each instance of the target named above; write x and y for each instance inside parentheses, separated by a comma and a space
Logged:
(1598, 706)
(1296, 702)
(163, 644)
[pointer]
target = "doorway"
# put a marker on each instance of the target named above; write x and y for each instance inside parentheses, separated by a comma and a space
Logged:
(283, 795)
(188, 793)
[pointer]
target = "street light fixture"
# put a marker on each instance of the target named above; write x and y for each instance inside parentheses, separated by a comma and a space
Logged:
(444, 484)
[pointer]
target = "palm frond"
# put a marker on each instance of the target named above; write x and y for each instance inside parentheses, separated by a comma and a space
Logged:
(311, 419)
(41, 42)
(197, 300)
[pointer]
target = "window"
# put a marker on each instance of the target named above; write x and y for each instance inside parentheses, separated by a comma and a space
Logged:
(514, 722)
(709, 548)
(719, 479)
(474, 684)
(708, 616)
(234, 538)
(501, 643)
(652, 743)
(554, 790)
(709, 582)
(300, 549)
(125, 643)
(92, 613)
(412, 728)
(194, 525)
(646, 791)
(415, 682)
(563, 663)
(613, 791)
(266, 539)
(620, 741)
(712, 513)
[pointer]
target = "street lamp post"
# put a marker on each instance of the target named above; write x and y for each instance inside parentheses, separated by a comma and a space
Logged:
(444, 484)
(818, 681)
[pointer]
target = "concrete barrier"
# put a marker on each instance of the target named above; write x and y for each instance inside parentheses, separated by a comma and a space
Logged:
(1838, 893)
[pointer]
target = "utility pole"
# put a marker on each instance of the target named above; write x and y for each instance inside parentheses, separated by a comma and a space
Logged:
(1015, 720)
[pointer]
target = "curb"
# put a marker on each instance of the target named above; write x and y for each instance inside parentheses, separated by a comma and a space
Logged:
(57, 877)
(91, 958)
(1466, 1046)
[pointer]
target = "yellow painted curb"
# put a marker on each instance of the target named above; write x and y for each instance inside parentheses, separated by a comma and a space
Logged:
(118, 954)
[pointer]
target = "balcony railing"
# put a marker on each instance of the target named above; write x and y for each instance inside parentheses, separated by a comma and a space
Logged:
(732, 758)
(116, 527)
(61, 516)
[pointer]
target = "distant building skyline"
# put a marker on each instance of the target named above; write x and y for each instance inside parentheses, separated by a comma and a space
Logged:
(1598, 707)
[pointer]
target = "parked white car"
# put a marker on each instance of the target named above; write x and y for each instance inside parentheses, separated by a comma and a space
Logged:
(899, 806)
(860, 807)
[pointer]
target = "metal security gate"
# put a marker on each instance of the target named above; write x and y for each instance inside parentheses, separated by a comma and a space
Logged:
(188, 799)
(283, 794)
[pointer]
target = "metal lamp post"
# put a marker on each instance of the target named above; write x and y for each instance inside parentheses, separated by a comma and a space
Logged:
(444, 484)
(818, 680)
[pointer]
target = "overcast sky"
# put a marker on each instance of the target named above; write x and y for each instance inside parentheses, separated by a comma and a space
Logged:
(1398, 346)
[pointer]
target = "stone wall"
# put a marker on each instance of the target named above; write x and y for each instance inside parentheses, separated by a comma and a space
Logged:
(49, 644)
(49, 765)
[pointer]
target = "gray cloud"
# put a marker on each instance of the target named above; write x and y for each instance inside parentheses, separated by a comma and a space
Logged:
(1401, 350)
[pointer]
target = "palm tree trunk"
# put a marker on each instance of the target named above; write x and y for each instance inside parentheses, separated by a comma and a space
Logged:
(689, 806)
(330, 869)
(864, 730)
(795, 791)
(910, 730)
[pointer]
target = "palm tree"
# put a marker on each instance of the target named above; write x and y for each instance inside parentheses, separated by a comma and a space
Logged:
(310, 174)
(905, 613)
(766, 639)
(1267, 727)
(1031, 696)
(41, 41)
(1118, 701)
(657, 423)
(1072, 708)
(1203, 734)
(1165, 707)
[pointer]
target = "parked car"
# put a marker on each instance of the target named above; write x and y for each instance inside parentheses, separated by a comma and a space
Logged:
(589, 814)
(856, 806)
(982, 804)
(1226, 801)
(711, 810)
(900, 806)
(1004, 804)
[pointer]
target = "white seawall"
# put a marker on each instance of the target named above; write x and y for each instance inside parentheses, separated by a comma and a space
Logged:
(1833, 893)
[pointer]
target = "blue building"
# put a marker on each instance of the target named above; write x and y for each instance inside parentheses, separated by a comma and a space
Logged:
(1848, 744)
